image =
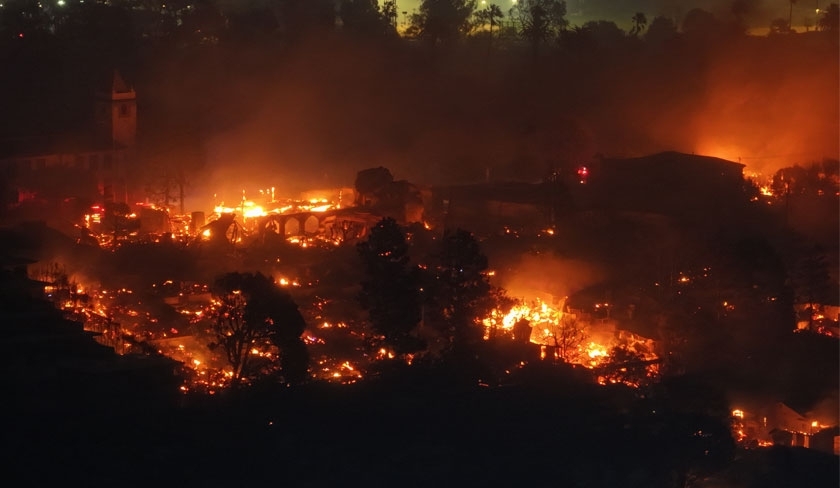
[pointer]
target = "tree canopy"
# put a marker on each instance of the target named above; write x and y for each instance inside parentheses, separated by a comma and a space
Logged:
(442, 21)
(539, 21)
(461, 293)
(253, 312)
(390, 289)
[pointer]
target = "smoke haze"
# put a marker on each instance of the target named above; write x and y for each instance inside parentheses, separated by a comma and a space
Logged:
(312, 116)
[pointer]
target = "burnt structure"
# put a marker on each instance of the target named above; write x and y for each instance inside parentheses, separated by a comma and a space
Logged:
(378, 192)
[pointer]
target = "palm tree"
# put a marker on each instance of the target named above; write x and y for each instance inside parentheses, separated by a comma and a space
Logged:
(489, 15)
(494, 12)
(639, 23)
(790, 15)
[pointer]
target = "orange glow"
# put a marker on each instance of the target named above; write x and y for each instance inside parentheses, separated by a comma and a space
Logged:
(566, 337)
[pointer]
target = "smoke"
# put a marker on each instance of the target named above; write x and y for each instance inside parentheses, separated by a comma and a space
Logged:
(770, 109)
(549, 277)
(826, 410)
(312, 116)
(309, 122)
(766, 103)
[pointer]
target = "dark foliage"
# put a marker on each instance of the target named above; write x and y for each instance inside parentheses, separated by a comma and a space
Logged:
(254, 312)
(391, 287)
(459, 293)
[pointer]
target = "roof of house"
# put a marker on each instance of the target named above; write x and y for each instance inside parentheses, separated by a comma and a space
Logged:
(670, 159)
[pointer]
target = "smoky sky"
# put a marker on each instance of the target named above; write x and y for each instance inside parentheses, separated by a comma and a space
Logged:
(313, 116)
(757, 13)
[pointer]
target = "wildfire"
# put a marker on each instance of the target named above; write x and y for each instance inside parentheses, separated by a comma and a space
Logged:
(250, 209)
(549, 327)
(566, 337)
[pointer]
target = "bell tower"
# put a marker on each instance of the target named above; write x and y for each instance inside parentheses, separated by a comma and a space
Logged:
(116, 112)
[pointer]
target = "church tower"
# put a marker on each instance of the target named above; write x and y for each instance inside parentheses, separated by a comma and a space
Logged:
(116, 112)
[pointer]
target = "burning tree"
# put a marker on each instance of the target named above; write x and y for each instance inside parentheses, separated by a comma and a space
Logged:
(252, 313)
(627, 366)
(391, 288)
(566, 337)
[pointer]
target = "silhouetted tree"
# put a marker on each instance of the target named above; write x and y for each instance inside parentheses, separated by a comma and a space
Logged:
(253, 312)
(539, 21)
(812, 281)
(566, 338)
(661, 31)
(489, 16)
(442, 21)
(779, 26)
(627, 366)
(365, 18)
(296, 18)
(639, 24)
(461, 293)
(294, 359)
(830, 20)
(701, 25)
(391, 289)
(389, 13)
(599, 34)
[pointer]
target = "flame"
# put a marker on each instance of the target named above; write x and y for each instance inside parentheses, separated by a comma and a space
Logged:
(566, 337)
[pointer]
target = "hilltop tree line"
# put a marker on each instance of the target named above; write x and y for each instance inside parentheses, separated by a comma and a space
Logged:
(538, 22)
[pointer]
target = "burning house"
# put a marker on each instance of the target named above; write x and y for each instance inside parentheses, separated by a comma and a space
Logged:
(779, 424)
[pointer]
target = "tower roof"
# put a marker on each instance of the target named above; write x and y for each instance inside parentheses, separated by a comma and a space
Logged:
(118, 84)
(116, 88)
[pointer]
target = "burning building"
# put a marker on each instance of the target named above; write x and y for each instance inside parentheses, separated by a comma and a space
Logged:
(779, 424)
